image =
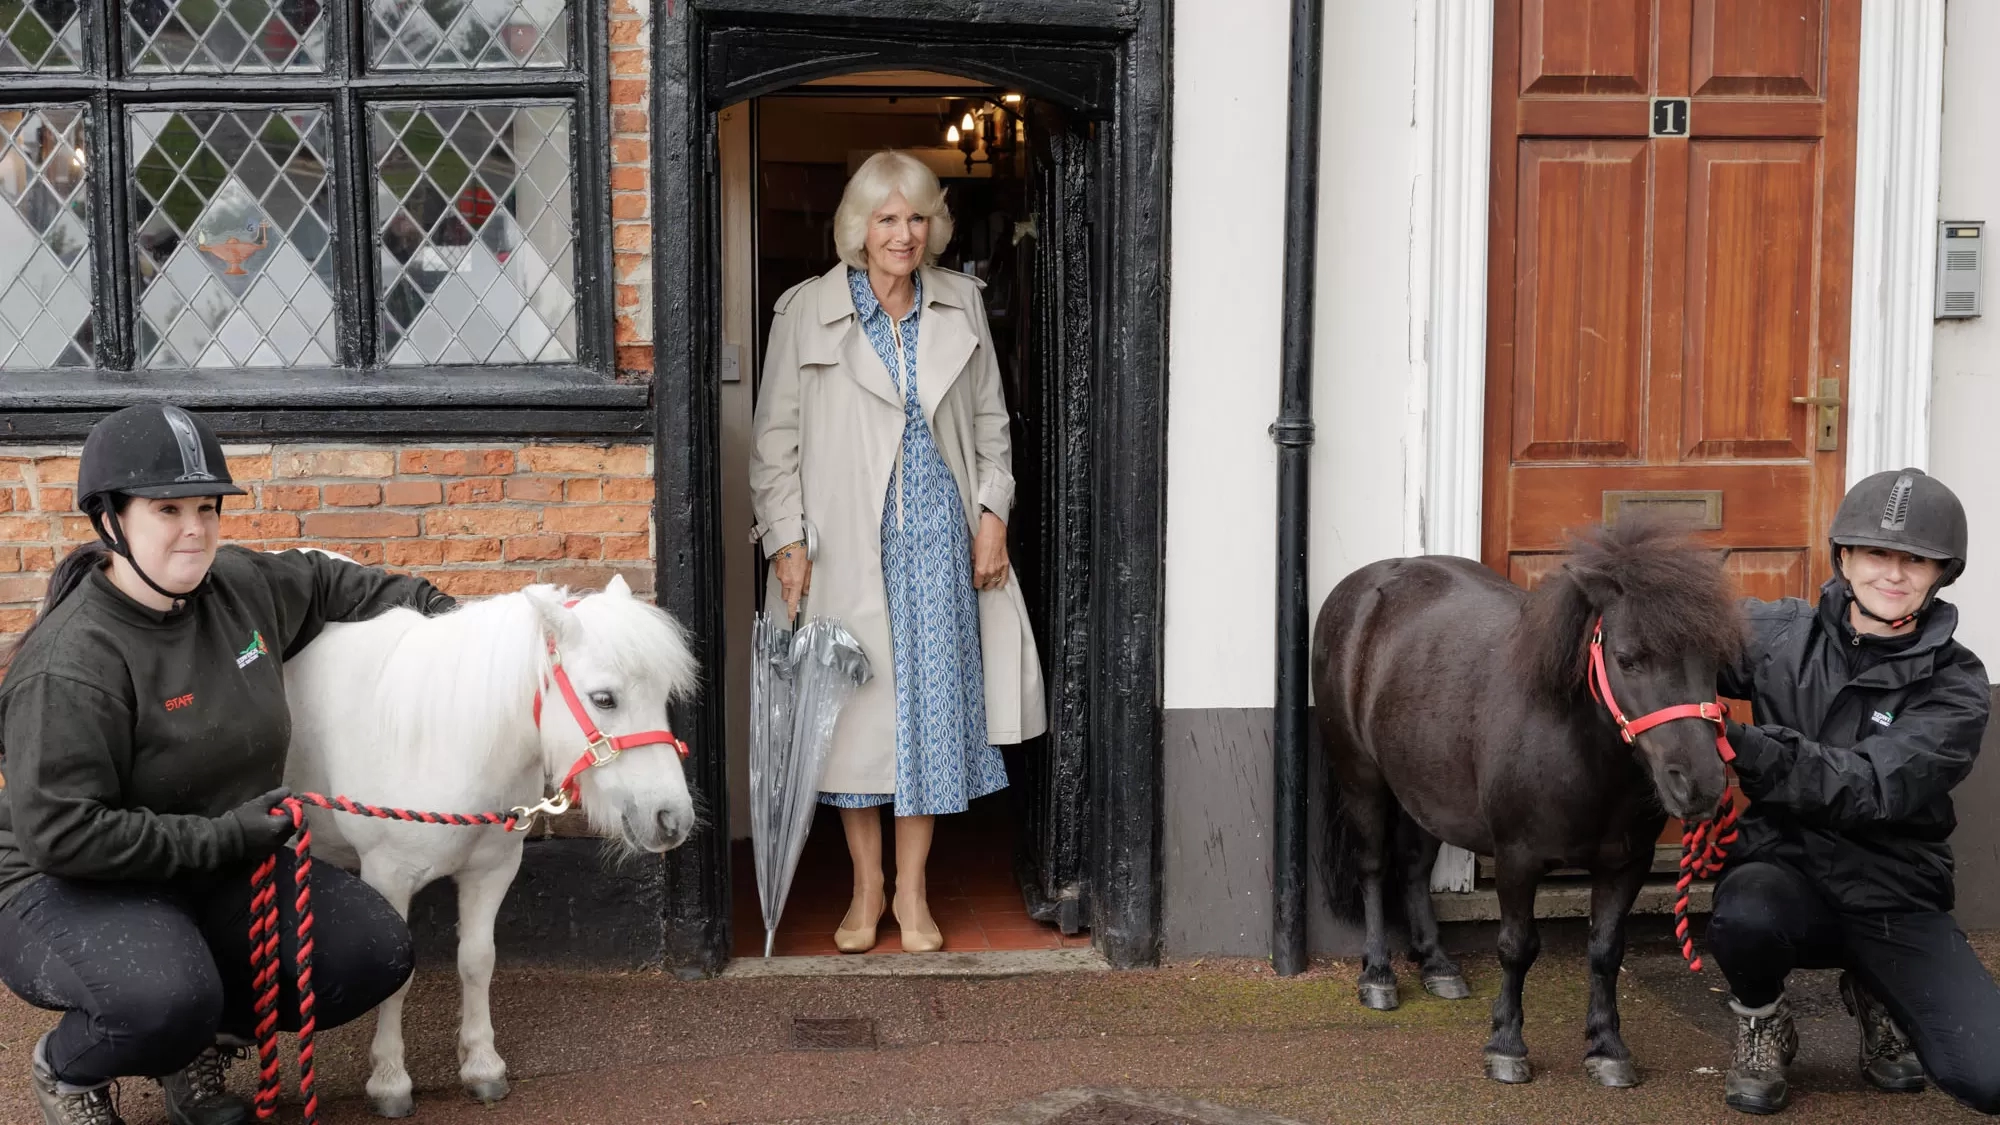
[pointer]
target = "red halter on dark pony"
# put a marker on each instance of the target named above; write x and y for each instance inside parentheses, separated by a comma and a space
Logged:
(1703, 845)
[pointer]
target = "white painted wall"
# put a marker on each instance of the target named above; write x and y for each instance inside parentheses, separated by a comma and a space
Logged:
(1368, 460)
(1965, 403)
(1227, 247)
(1228, 278)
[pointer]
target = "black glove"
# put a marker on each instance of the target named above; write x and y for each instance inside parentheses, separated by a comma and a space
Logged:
(436, 602)
(1745, 741)
(264, 831)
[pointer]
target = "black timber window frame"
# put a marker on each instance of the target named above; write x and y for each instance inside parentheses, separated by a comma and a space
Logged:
(361, 396)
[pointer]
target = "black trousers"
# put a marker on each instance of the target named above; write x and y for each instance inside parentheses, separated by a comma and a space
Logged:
(150, 973)
(1770, 919)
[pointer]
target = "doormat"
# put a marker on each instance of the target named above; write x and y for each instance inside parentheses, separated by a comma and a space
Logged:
(1127, 1107)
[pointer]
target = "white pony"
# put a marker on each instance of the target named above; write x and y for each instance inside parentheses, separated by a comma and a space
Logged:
(463, 713)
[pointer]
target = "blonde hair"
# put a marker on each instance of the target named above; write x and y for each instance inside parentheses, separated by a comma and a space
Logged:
(880, 177)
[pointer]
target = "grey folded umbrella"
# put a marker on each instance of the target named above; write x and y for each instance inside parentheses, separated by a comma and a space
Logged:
(800, 678)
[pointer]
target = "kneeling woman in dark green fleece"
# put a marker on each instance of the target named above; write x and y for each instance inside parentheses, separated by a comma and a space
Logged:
(143, 731)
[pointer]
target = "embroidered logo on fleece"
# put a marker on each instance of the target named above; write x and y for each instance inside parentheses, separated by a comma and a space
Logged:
(180, 701)
(1882, 718)
(252, 651)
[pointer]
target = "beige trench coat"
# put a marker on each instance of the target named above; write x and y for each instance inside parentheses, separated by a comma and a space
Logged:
(828, 436)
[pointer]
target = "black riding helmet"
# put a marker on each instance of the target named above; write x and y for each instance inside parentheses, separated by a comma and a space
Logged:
(155, 452)
(1903, 510)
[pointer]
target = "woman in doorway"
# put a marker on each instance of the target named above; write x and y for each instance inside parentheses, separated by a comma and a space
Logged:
(144, 725)
(881, 432)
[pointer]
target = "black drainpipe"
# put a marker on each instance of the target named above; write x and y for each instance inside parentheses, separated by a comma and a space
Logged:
(1293, 431)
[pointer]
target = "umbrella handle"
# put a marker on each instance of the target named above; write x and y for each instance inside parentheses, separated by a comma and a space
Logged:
(764, 565)
(812, 556)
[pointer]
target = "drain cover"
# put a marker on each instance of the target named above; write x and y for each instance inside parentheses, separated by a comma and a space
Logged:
(1120, 1106)
(833, 1034)
(1104, 1111)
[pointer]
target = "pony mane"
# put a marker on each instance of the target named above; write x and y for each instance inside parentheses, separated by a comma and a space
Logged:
(1675, 597)
(464, 679)
(468, 678)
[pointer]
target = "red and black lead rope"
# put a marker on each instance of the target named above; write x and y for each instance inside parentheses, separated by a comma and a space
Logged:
(264, 934)
(1703, 848)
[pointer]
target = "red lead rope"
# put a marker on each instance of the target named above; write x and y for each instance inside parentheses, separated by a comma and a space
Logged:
(264, 957)
(264, 892)
(1703, 845)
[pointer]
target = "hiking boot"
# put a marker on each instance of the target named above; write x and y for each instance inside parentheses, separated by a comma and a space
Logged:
(63, 1104)
(1766, 1042)
(1888, 1061)
(198, 1093)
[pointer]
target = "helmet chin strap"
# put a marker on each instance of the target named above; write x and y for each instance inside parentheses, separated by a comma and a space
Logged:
(1891, 622)
(115, 540)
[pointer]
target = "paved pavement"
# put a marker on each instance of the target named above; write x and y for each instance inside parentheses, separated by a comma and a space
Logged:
(598, 1049)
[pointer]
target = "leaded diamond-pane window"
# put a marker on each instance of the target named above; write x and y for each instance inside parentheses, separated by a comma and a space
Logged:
(234, 243)
(477, 238)
(42, 35)
(324, 187)
(44, 238)
(467, 34)
(224, 36)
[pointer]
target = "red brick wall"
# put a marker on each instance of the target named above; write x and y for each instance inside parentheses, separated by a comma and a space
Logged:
(475, 519)
(631, 177)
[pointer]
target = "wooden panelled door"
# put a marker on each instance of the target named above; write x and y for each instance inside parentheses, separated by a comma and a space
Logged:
(1673, 198)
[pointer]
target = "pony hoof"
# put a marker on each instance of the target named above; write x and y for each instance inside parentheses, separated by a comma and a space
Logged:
(1380, 997)
(399, 1105)
(488, 1092)
(1619, 1074)
(1451, 987)
(1507, 1068)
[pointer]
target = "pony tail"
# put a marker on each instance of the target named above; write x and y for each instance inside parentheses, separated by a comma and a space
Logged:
(69, 574)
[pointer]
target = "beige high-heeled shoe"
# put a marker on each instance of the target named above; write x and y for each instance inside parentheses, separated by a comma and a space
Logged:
(920, 941)
(860, 939)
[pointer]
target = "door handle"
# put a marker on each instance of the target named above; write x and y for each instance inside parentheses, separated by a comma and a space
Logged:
(1827, 401)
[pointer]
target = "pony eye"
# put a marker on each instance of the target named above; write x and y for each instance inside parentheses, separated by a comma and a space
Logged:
(603, 700)
(1628, 662)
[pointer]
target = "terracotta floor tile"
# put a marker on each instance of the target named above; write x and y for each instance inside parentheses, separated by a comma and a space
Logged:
(1017, 923)
(1023, 939)
(1009, 903)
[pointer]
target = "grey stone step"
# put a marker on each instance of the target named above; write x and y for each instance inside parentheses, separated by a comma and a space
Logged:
(1565, 900)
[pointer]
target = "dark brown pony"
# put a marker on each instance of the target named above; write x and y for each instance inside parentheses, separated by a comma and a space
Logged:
(1454, 707)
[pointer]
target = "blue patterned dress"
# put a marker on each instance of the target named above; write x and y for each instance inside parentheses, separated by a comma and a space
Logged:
(943, 759)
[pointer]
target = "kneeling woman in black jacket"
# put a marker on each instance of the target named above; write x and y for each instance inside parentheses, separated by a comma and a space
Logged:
(143, 727)
(1868, 714)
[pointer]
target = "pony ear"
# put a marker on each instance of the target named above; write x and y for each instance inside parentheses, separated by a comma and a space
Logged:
(558, 619)
(1597, 586)
(618, 587)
